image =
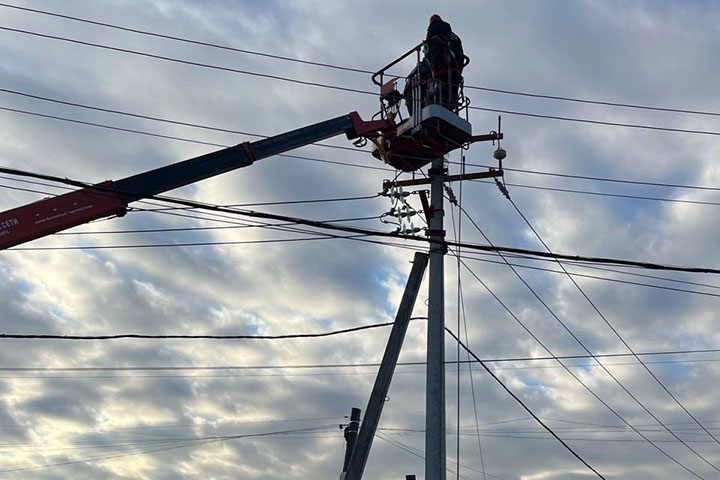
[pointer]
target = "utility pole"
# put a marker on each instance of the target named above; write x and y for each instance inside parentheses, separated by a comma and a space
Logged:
(435, 449)
(385, 373)
(435, 394)
(351, 434)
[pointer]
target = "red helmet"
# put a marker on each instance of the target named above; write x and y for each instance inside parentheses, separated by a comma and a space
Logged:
(435, 18)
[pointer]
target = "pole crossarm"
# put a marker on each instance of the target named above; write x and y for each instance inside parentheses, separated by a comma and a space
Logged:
(387, 184)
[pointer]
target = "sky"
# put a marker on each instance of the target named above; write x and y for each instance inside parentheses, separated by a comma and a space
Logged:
(167, 409)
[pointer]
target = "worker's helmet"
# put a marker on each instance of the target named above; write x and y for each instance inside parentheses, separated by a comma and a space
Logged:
(435, 18)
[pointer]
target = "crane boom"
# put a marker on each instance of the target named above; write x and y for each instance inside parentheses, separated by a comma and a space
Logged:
(108, 198)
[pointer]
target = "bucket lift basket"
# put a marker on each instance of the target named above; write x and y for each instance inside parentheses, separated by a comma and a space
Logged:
(434, 126)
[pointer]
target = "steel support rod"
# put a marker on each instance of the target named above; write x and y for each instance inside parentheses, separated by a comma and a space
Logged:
(385, 372)
(435, 383)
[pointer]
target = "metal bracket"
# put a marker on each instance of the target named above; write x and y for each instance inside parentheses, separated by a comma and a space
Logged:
(435, 233)
(446, 178)
(492, 136)
(249, 151)
(426, 205)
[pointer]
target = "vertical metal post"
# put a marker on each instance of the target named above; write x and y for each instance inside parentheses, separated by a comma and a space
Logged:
(435, 460)
(351, 433)
(385, 372)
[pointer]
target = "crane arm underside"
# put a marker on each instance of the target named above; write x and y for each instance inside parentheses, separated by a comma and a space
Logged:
(105, 199)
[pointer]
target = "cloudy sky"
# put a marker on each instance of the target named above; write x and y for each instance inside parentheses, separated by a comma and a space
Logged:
(167, 409)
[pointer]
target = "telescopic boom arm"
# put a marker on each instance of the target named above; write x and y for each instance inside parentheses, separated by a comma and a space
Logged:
(108, 198)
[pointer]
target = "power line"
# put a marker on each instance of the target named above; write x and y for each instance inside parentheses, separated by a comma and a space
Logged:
(192, 229)
(5, 336)
(141, 452)
(604, 194)
(599, 179)
(169, 121)
(195, 125)
(189, 140)
(319, 236)
(188, 62)
(604, 368)
(607, 279)
(348, 365)
(461, 309)
(563, 365)
(353, 372)
(594, 122)
(349, 229)
(350, 69)
(184, 40)
(345, 89)
(522, 404)
(402, 431)
(593, 102)
(183, 139)
(616, 332)
(535, 187)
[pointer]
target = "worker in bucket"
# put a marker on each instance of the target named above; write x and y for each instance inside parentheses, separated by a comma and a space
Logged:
(440, 71)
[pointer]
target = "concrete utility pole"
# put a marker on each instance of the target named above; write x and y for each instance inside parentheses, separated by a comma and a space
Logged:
(385, 373)
(435, 394)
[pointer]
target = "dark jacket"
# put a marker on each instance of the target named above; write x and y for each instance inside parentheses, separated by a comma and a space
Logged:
(439, 27)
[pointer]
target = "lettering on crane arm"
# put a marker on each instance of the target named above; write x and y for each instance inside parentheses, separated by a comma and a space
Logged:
(64, 214)
(5, 225)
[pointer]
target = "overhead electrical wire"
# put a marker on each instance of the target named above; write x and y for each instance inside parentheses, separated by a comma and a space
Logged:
(583, 366)
(634, 274)
(187, 62)
(421, 455)
(362, 238)
(461, 310)
(355, 165)
(604, 194)
(614, 330)
(189, 443)
(196, 125)
(171, 122)
(599, 179)
(574, 336)
(349, 229)
(188, 140)
(606, 279)
(571, 373)
(341, 88)
(6, 336)
(521, 436)
(350, 69)
(345, 365)
(524, 406)
(535, 187)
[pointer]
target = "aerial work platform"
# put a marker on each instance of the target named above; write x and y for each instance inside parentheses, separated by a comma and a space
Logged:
(425, 136)
(435, 125)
